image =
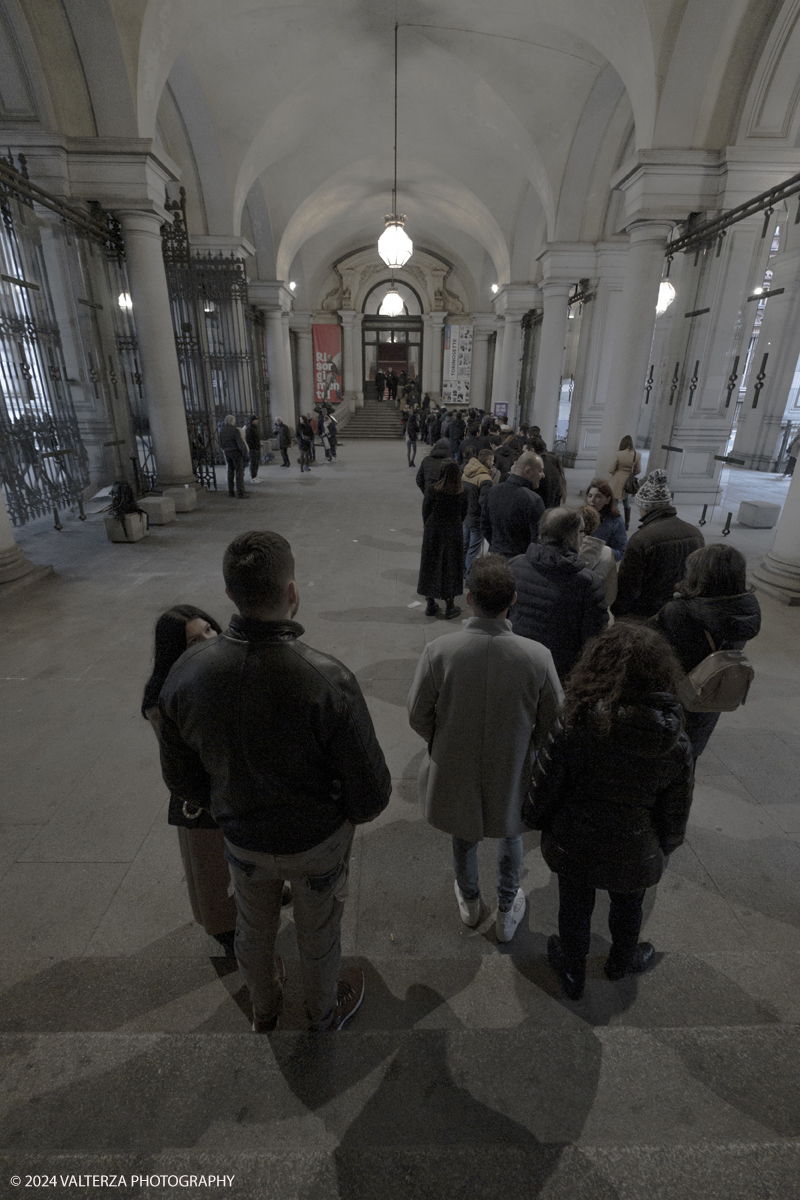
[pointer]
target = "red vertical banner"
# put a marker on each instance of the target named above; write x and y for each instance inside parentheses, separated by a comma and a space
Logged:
(327, 342)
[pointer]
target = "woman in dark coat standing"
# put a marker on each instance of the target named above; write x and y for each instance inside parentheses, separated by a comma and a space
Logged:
(611, 529)
(613, 799)
(441, 568)
(712, 599)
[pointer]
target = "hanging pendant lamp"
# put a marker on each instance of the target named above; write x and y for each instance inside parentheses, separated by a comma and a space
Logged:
(392, 304)
(394, 245)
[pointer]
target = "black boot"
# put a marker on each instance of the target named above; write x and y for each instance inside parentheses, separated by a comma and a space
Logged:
(642, 958)
(432, 608)
(572, 976)
(627, 518)
(451, 611)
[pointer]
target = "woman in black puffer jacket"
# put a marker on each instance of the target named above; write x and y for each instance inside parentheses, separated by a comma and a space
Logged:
(712, 597)
(613, 799)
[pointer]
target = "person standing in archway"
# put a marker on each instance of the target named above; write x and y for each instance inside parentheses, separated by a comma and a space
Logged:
(380, 386)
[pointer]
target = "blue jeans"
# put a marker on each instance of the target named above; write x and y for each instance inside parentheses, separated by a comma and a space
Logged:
(509, 865)
(473, 540)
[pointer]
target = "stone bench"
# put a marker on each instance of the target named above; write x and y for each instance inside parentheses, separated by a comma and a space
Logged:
(184, 499)
(160, 509)
(758, 514)
(131, 528)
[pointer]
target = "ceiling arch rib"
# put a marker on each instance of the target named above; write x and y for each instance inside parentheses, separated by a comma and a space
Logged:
(350, 196)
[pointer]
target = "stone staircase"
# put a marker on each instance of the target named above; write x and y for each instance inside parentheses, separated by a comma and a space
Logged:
(374, 420)
(646, 1089)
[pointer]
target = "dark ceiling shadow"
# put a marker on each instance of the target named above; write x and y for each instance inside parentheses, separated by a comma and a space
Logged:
(388, 680)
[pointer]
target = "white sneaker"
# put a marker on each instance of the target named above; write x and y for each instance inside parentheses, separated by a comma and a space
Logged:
(507, 922)
(470, 910)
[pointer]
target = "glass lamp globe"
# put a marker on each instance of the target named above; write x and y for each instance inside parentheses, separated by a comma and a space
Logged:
(392, 305)
(125, 300)
(394, 245)
(666, 294)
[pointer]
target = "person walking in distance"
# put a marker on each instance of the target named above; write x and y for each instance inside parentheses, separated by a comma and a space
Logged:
(486, 702)
(624, 470)
(284, 441)
(412, 434)
(232, 445)
(253, 439)
(275, 740)
(380, 386)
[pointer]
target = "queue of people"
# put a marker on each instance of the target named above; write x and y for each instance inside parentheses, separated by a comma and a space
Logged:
(555, 707)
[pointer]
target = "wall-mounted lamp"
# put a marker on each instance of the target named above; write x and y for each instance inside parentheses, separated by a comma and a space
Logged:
(495, 288)
(125, 300)
(292, 286)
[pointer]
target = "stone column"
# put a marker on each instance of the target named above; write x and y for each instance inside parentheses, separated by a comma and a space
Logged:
(432, 352)
(15, 569)
(483, 325)
(644, 267)
(551, 358)
(156, 339)
(759, 430)
(347, 316)
(301, 324)
(498, 361)
(510, 364)
(358, 360)
(276, 300)
(779, 573)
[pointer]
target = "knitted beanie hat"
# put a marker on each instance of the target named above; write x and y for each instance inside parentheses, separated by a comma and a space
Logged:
(654, 491)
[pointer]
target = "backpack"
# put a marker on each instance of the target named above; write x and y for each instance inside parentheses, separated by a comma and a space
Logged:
(719, 683)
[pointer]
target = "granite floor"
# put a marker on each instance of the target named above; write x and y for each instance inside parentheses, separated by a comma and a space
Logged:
(125, 1040)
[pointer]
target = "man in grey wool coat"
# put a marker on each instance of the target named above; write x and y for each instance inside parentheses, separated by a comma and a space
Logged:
(486, 701)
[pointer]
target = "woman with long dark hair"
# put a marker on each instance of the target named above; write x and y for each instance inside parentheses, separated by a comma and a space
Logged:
(627, 465)
(611, 529)
(441, 568)
(613, 797)
(713, 610)
(199, 837)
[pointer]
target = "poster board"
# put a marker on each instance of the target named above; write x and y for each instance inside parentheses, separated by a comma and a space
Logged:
(457, 365)
(327, 342)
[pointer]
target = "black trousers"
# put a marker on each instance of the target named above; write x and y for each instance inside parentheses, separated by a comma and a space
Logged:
(235, 463)
(285, 457)
(576, 905)
(255, 459)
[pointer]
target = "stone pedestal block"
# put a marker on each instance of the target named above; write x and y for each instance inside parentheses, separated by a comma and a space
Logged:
(131, 529)
(758, 514)
(160, 509)
(184, 499)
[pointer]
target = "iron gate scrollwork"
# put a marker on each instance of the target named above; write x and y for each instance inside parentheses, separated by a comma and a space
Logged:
(43, 462)
(219, 339)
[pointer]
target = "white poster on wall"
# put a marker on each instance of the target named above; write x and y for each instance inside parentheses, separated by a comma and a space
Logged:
(457, 364)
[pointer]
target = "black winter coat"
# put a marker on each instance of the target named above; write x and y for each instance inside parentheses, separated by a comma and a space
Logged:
(504, 458)
(653, 562)
(441, 567)
(510, 517)
(253, 439)
(232, 442)
(431, 465)
(476, 494)
(272, 736)
(549, 488)
(560, 603)
(731, 620)
(612, 804)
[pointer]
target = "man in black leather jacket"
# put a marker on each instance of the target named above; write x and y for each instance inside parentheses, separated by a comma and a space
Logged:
(275, 739)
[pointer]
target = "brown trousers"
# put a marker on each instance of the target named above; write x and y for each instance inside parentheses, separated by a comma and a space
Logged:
(207, 879)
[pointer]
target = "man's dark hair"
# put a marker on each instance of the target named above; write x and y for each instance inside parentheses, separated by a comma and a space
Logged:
(536, 443)
(492, 584)
(559, 527)
(256, 568)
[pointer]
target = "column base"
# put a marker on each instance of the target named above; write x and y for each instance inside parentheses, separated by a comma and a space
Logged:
(779, 578)
(165, 481)
(16, 572)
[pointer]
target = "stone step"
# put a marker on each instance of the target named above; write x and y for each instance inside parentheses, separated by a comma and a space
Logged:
(589, 1114)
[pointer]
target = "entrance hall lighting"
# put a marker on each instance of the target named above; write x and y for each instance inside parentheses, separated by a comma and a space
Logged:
(392, 305)
(394, 245)
(125, 300)
(292, 286)
(495, 288)
(666, 294)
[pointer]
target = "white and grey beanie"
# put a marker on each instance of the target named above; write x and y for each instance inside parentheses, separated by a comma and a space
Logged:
(654, 491)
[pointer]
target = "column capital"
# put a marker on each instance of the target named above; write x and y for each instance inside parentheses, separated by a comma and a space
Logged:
(270, 294)
(122, 173)
(517, 298)
(484, 324)
(567, 262)
(668, 184)
(348, 317)
(301, 323)
(436, 319)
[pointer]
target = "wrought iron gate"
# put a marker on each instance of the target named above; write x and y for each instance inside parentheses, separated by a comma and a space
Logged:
(43, 463)
(220, 341)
